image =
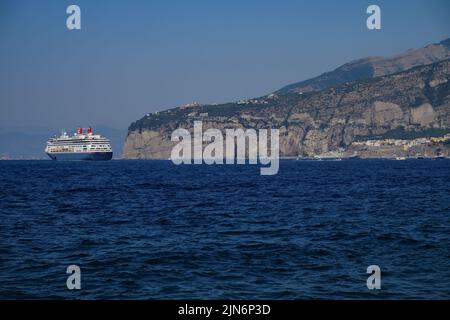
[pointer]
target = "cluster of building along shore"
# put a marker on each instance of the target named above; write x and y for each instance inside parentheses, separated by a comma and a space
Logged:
(430, 147)
(405, 143)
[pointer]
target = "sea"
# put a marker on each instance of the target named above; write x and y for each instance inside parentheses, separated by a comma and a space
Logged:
(155, 230)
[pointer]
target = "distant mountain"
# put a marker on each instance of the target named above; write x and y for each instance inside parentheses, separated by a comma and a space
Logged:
(29, 142)
(371, 67)
(23, 143)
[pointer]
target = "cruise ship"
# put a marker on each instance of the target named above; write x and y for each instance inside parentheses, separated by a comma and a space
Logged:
(79, 146)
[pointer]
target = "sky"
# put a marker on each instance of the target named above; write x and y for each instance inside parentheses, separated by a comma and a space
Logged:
(135, 57)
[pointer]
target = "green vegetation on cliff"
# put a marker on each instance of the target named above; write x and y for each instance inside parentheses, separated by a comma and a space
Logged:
(405, 105)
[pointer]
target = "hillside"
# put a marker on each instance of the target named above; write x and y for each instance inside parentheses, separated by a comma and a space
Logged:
(371, 67)
(314, 123)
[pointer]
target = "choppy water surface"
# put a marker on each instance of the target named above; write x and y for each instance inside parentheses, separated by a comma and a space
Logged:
(153, 230)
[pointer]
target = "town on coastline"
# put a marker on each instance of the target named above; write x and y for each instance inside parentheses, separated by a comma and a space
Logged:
(437, 147)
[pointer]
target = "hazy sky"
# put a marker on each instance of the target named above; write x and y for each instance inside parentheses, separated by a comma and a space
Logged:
(135, 57)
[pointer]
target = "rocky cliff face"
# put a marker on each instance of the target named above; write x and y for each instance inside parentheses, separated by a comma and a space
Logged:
(317, 122)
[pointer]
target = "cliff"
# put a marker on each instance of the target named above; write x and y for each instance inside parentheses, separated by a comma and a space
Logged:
(314, 123)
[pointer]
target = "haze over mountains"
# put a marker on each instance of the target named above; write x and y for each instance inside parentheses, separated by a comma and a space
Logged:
(367, 97)
(370, 67)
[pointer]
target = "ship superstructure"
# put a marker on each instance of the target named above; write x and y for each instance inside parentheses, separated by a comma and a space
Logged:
(80, 146)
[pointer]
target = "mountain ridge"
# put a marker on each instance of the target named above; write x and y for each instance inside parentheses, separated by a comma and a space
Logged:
(316, 122)
(373, 66)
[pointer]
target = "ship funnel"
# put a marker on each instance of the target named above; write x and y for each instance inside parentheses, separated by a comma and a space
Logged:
(89, 130)
(80, 130)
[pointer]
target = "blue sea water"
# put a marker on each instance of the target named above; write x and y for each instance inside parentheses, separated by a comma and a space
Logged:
(153, 230)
